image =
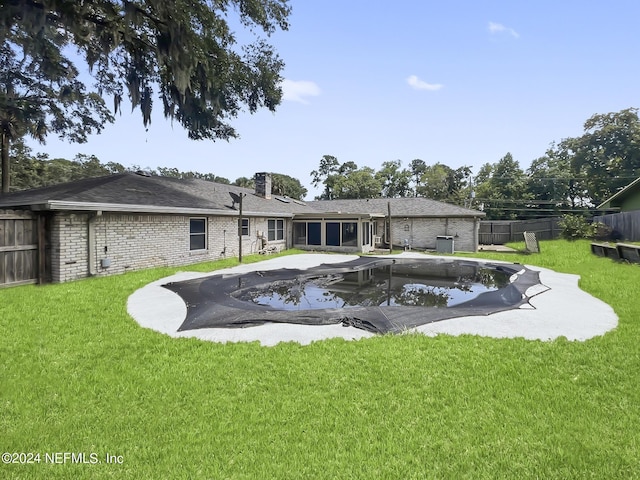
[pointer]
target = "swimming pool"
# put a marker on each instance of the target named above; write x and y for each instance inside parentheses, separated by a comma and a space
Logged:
(415, 284)
(380, 295)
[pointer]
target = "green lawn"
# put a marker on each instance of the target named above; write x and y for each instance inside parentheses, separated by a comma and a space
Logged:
(79, 375)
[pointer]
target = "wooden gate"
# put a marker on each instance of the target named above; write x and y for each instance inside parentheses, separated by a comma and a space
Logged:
(21, 248)
(495, 232)
(499, 232)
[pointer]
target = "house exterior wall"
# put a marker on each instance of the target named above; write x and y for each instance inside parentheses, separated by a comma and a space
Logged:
(68, 247)
(416, 232)
(631, 203)
(421, 233)
(80, 242)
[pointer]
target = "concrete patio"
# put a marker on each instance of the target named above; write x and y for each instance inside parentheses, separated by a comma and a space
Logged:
(557, 309)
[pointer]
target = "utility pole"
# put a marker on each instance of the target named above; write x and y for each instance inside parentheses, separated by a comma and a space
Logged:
(240, 230)
(237, 198)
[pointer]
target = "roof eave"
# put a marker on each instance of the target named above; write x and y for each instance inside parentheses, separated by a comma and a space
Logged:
(57, 205)
(334, 214)
(619, 195)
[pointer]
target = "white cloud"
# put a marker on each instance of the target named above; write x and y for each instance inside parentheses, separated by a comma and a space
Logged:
(499, 28)
(298, 90)
(418, 84)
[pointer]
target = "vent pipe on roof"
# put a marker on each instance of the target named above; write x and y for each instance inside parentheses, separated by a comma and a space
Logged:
(263, 185)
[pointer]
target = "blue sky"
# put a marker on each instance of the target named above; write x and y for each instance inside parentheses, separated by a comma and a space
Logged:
(457, 82)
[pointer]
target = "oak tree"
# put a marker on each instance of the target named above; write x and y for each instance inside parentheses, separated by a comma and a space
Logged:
(183, 52)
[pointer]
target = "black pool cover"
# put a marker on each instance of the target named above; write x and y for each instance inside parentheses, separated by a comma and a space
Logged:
(225, 301)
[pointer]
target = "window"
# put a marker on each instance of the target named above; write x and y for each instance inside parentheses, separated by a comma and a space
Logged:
(300, 233)
(314, 234)
(197, 234)
(366, 239)
(243, 227)
(275, 230)
(333, 234)
(349, 234)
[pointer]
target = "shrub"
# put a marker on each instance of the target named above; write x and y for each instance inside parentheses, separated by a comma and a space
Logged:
(602, 231)
(575, 227)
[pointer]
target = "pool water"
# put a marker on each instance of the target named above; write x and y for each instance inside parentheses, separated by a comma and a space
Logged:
(427, 285)
(380, 295)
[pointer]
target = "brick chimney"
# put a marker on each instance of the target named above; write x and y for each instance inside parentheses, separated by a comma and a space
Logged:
(263, 185)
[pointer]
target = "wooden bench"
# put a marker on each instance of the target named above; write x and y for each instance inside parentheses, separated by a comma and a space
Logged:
(629, 252)
(617, 251)
(605, 250)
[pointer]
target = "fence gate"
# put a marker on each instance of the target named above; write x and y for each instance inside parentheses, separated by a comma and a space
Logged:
(495, 232)
(499, 232)
(21, 248)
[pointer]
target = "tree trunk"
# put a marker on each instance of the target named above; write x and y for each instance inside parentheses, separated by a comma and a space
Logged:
(4, 153)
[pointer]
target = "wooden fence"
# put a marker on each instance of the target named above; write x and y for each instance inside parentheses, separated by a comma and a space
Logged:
(499, 232)
(22, 250)
(625, 225)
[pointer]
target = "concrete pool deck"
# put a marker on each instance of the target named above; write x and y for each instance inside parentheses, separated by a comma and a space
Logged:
(559, 309)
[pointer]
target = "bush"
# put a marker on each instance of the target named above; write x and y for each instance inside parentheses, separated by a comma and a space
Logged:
(602, 232)
(575, 227)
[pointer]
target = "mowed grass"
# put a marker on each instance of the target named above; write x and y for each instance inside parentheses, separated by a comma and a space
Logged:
(79, 375)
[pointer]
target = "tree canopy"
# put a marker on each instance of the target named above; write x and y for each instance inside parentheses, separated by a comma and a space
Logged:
(183, 52)
(574, 175)
(607, 156)
(40, 94)
(287, 186)
(499, 185)
(346, 180)
(35, 171)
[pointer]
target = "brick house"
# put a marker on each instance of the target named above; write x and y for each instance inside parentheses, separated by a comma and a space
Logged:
(415, 223)
(129, 221)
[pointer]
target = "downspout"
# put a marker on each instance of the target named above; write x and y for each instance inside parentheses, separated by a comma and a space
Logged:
(42, 250)
(91, 242)
(390, 227)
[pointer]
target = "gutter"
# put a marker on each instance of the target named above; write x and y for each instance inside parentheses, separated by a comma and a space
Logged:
(341, 215)
(384, 215)
(57, 205)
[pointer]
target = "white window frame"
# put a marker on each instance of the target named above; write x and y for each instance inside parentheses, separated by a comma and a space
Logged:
(242, 227)
(277, 232)
(198, 234)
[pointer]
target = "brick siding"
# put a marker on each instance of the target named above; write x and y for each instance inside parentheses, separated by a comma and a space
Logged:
(133, 242)
(422, 232)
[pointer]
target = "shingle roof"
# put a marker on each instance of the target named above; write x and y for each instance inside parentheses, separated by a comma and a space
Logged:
(407, 206)
(135, 192)
(132, 189)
